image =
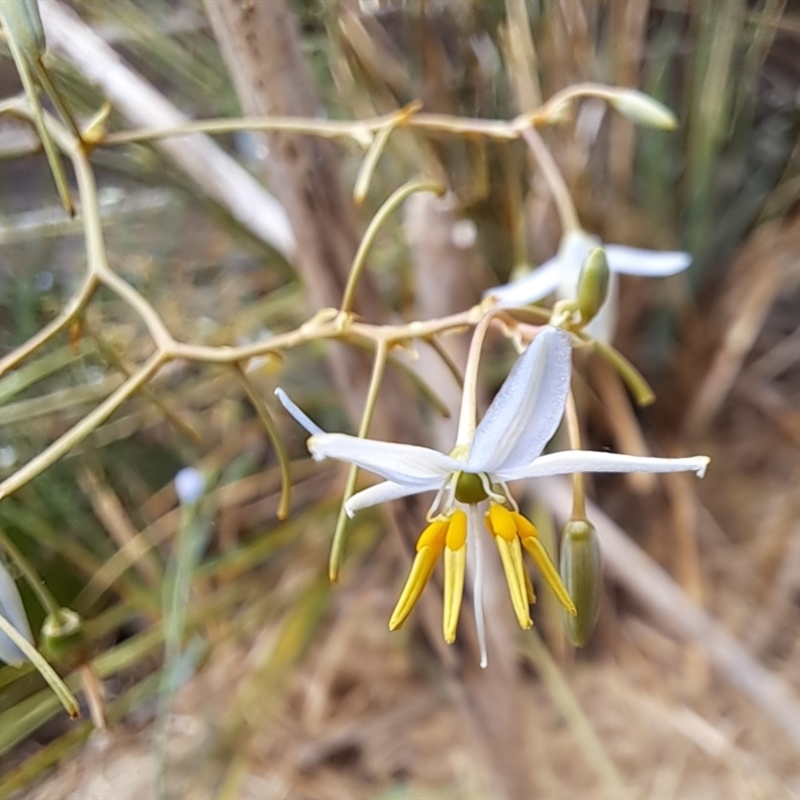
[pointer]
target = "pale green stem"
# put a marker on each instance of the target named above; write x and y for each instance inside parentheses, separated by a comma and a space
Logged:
(29, 573)
(337, 548)
(359, 130)
(441, 351)
(272, 431)
(331, 329)
(555, 181)
(578, 482)
(377, 147)
(53, 156)
(58, 686)
(360, 260)
(82, 429)
(78, 302)
(634, 380)
(111, 355)
(468, 418)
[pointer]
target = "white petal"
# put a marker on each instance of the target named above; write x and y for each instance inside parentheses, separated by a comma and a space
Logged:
(528, 408)
(532, 287)
(588, 461)
(300, 416)
(383, 493)
(11, 608)
(653, 263)
(400, 463)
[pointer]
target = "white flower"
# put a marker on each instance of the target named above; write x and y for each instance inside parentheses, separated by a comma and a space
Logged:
(11, 608)
(506, 446)
(560, 274)
(190, 484)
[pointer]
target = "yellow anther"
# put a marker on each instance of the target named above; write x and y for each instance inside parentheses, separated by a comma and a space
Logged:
(455, 565)
(500, 522)
(429, 547)
(529, 589)
(525, 527)
(433, 535)
(548, 571)
(511, 556)
(456, 536)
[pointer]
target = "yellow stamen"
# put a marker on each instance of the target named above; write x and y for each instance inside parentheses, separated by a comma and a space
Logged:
(500, 522)
(455, 565)
(530, 541)
(429, 547)
(529, 588)
(511, 556)
(501, 525)
(456, 536)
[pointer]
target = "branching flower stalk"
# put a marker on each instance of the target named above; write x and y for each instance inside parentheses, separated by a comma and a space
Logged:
(556, 110)
(471, 482)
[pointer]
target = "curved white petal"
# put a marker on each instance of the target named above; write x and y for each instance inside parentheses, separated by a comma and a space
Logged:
(570, 461)
(299, 415)
(653, 263)
(528, 408)
(11, 608)
(383, 493)
(400, 463)
(532, 287)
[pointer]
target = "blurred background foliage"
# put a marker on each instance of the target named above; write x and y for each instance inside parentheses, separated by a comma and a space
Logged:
(267, 640)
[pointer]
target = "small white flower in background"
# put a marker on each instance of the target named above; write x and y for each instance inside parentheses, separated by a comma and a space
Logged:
(8, 457)
(560, 275)
(11, 608)
(190, 484)
(471, 483)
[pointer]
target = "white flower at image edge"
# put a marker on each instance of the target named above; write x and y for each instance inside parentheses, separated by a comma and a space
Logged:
(560, 275)
(11, 608)
(471, 482)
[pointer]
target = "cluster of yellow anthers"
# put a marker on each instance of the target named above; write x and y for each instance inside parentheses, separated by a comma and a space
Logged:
(448, 536)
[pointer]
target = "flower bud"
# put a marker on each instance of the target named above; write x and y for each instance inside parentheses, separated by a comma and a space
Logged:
(644, 110)
(592, 284)
(582, 575)
(62, 637)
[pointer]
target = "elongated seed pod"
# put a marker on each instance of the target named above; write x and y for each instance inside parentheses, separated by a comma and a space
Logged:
(581, 573)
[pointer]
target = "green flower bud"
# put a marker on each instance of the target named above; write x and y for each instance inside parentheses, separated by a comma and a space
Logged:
(62, 637)
(469, 488)
(644, 110)
(581, 573)
(592, 284)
